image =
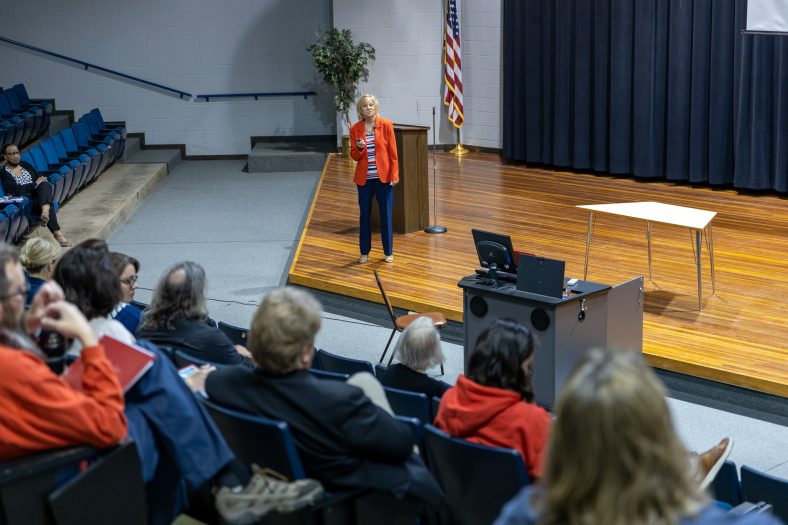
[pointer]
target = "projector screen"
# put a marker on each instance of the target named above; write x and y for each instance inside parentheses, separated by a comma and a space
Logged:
(767, 16)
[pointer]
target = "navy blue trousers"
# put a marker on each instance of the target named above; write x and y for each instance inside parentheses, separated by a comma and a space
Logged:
(384, 194)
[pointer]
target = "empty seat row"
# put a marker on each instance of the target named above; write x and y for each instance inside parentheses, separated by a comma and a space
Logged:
(70, 159)
(22, 119)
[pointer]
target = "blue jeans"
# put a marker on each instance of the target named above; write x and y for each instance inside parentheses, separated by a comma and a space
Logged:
(384, 194)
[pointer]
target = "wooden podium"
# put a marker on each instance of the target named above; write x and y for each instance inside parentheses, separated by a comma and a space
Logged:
(411, 195)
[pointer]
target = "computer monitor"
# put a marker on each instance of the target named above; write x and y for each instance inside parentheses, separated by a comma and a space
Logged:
(494, 248)
(541, 275)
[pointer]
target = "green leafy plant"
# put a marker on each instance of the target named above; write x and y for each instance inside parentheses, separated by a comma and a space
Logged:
(342, 63)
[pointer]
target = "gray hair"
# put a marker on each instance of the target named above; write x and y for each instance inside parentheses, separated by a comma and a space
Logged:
(419, 347)
(180, 294)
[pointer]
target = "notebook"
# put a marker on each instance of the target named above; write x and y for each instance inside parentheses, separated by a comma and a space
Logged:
(129, 361)
(540, 275)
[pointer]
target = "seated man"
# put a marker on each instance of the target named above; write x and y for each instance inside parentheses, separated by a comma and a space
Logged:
(177, 318)
(177, 442)
(344, 440)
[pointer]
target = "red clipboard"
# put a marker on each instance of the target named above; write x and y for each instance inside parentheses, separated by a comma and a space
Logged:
(129, 361)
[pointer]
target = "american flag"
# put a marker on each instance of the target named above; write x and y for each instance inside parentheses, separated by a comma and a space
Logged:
(452, 59)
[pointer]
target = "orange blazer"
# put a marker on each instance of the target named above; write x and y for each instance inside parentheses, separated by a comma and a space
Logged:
(385, 152)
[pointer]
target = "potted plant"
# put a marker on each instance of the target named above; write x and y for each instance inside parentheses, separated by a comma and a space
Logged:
(342, 63)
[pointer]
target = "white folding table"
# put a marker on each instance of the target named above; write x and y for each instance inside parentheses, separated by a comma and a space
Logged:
(697, 221)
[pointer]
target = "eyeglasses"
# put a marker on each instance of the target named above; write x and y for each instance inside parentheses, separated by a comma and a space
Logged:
(128, 281)
(21, 292)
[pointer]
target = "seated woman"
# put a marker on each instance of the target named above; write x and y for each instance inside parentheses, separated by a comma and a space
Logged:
(178, 443)
(126, 267)
(38, 257)
(418, 349)
(614, 456)
(493, 403)
(20, 179)
(177, 317)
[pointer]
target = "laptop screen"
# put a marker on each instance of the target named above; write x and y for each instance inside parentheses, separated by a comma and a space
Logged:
(540, 275)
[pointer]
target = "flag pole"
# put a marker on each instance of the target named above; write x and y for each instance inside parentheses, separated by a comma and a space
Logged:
(434, 228)
(459, 150)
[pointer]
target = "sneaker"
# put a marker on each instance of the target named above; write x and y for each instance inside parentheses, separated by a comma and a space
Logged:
(710, 462)
(266, 491)
(389, 258)
(363, 259)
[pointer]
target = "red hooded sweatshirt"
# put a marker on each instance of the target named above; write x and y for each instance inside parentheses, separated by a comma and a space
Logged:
(498, 418)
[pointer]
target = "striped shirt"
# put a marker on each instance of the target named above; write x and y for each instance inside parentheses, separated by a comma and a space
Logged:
(372, 169)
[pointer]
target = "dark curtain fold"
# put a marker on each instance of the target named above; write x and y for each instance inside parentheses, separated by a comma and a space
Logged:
(653, 88)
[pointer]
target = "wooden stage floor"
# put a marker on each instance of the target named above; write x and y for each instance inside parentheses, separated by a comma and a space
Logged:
(740, 337)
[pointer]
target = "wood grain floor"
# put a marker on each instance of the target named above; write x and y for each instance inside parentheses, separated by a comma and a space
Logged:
(740, 337)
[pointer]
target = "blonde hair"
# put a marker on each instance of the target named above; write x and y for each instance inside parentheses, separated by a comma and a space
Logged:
(37, 252)
(282, 328)
(361, 102)
(613, 454)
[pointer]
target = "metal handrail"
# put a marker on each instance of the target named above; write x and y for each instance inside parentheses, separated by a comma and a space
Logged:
(181, 94)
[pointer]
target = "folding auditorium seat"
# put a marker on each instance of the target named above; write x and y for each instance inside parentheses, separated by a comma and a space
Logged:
(100, 128)
(19, 108)
(30, 120)
(10, 120)
(73, 150)
(60, 184)
(80, 173)
(110, 139)
(45, 105)
(85, 143)
(57, 173)
(5, 226)
(15, 221)
(104, 126)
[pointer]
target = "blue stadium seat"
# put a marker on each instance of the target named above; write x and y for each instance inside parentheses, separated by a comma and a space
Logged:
(86, 143)
(57, 174)
(74, 151)
(726, 486)
(478, 480)
(759, 486)
(333, 376)
(18, 108)
(110, 139)
(45, 105)
(16, 126)
(409, 404)
(53, 161)
(5, 226)
(235, 334)
(80, 173)
(341, 365)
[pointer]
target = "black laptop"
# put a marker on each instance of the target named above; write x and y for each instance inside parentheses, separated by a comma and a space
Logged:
(540, 275)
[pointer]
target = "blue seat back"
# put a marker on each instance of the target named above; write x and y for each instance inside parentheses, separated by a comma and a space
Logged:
(332, 376)
(380, 371)
(759, 486)
(235, 334)
(478, 480)
(21, 94)
(60, 149)
(255, 439)
(48, 149)
(409, 404)
(182, 359)
(342, 365)
(39, 159)
(5, 108)
(726, 486)
(26, 156)
(69, 140)
(82, 135)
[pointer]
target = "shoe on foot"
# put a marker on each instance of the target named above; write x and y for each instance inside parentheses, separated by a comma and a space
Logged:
(266, 491)
(62, 241)
(389, 258)
(710, 462)
(43, 219)
(363, 259)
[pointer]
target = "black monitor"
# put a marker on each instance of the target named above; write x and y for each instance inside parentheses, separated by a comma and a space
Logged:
(494, 248)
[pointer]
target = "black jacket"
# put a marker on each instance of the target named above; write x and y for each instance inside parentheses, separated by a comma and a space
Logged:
(402, 377)
(344, 440)
(10, 187)
(198, 338)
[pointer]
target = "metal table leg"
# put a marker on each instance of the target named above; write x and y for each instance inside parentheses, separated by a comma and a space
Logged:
(697, 262)
(648, 239)
(588, 243)
(710, 249)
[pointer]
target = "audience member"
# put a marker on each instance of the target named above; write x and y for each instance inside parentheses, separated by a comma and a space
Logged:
(127, 268)
(39, 255)
(493, 404)
(21, 179)
(178, 443)
(344, 440)
(615, 458)
(40, 411)
(418, 349)
(177, 317)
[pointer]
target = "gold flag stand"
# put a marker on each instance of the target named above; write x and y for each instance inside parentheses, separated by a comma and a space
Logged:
(459, 150)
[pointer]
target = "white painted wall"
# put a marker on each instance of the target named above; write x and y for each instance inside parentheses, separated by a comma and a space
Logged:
(407, 76)
(198, 46)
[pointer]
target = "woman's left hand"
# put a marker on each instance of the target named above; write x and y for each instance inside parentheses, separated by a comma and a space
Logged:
(40, 179)
(394, 183)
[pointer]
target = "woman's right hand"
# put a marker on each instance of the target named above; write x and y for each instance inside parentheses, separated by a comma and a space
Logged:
(360, 144)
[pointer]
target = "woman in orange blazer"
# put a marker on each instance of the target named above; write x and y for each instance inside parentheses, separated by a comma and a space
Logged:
(373, 146)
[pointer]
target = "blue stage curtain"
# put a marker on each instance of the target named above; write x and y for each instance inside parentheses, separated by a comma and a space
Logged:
(652, 88)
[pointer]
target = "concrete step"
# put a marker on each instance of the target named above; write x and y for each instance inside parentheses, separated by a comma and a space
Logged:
(267, 157)
(171, 157)
(104, 205)
(132, 147)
